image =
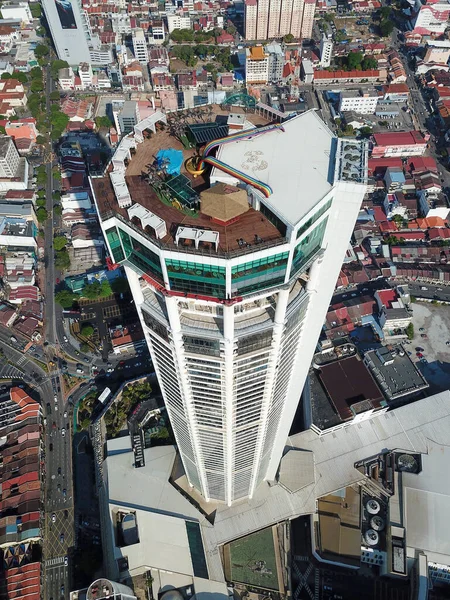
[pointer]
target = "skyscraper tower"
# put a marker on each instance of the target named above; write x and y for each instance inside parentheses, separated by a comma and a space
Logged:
(232, 285)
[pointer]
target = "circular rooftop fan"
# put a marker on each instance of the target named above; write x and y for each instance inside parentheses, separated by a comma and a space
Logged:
(407, 462)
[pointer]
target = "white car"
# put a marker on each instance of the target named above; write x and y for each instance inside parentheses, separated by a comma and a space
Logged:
(45, 421)
(63, 431)
(55, 398)
(65, 414)
(80, 370)
(53, 517)
(65, 339)
(66, 561)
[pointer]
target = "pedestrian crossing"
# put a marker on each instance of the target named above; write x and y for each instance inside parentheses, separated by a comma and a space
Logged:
(54, 562)
(22, 360)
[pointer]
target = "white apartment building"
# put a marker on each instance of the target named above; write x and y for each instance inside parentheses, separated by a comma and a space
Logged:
(273, 25)
(178, 22)
(256, 65)
(262, 19)
(285, 17)
(232, 327)
(251, 19)
(66, 78)
(309, 9)
(9, 157)
(363, 103)
(140, 47)
(269, 19)
(326, 51)
(297, 17)
(85, 74)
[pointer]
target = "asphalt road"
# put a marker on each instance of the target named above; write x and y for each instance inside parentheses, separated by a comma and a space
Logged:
(59, 525)
(50, 327)
(432, 292)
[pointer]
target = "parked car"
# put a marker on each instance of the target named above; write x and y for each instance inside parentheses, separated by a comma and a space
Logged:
(63, 432)
(53, 517)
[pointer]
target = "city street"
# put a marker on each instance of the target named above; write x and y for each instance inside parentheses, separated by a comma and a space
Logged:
(59, 528)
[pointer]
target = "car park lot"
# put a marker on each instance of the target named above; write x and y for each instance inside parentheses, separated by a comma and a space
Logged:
(432, 321)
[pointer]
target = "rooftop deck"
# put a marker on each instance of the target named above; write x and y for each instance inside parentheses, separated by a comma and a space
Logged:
(239, 236)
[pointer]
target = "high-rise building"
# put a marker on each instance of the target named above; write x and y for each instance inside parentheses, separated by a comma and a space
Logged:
(71, 33)
(262, 19)
(251, 15)
(69, 27)
(9, 157)
(232, 283)
(140, 47)
(268, 19)
(326, 51)
(309, 9)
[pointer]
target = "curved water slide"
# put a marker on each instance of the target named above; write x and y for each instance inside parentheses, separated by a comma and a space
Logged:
(199, 167)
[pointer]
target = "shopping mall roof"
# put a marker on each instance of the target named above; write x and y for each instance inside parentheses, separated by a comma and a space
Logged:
(426, 504)
(297, 163)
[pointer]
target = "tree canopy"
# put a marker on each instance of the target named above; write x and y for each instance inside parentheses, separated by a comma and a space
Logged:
(97, 290)
(104, 121)
(62, 259)
(41, 214)
(65, 298)
(87, 331)
(41, 50)
(56, 65)
(59, 242)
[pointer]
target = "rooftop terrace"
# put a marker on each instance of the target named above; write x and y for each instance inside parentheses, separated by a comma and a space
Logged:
(238, 235)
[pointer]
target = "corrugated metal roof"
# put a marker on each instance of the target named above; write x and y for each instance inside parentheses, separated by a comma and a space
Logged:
(207, 132)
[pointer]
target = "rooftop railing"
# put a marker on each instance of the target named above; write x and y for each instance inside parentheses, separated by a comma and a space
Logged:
(201, 251)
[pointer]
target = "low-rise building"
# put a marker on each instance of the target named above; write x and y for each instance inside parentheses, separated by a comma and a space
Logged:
(17, 10)
(393, 316)
(178, 22)
(400, 144)
(342, 389)
(327, 77)
(396, 92)
(86, 75)
(396, 374)
(128, 338)
(66, 79)
(363, 102)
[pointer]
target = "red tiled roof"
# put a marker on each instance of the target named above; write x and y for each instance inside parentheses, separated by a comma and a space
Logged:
(408, 235)
(423, 163)
(379, 214)
(387, 297)
(439, 233)
(388, 226)
(401, 138)
(347, 74)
